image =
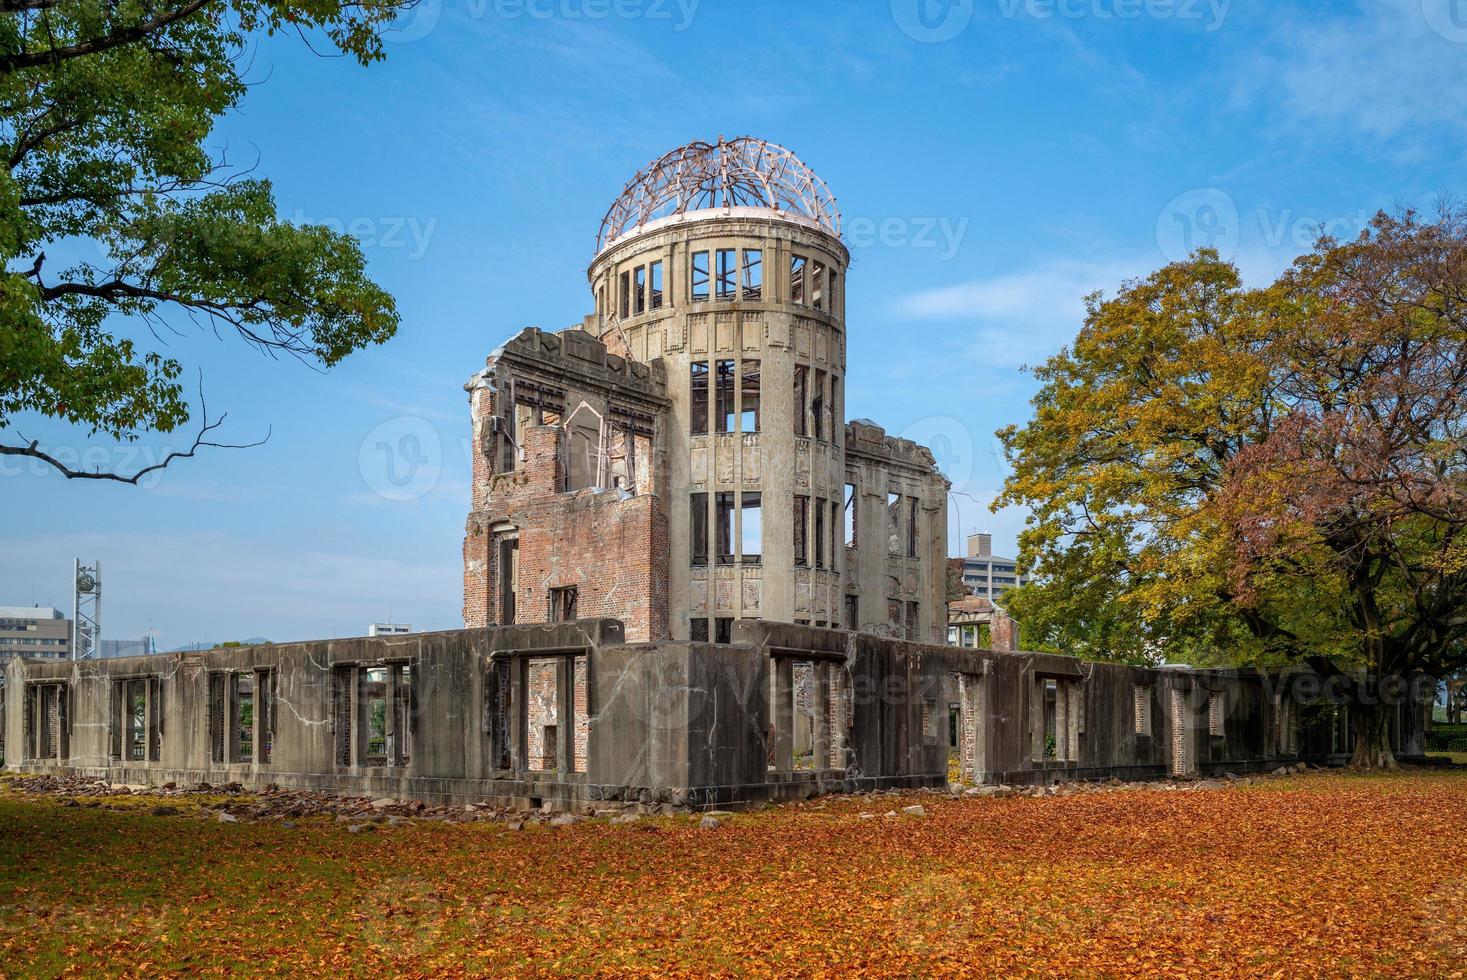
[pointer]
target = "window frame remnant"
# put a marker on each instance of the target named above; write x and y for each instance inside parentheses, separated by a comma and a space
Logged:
(699, 382)
(506, 575)
(819, 532)
(698, 278)
(724, 401)
(698, 527)
(849, 509)
(723, 540)
(562, 604)
(725, 273)
(750, 397)
(801, 418)
(817, 408)
(894, 524)
(801, 529)
(751, 274)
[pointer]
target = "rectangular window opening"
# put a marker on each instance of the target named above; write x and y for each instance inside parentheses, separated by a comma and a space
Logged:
(658, 290)
(753, 273)
(723, 504)
(563, 604)
(699, 280)
(817, 407)
(374, 708)
(698, 630)
(802, 425)
(751, 529)
(626, 295)
(698, 514)
(801, 529)
(817, 285)
(698, 397)
(819, 533)
(912, 527)
(244, 718)
(723, 629)
(749, 396)
(727, 271)
(894, 524)
(850, 515)
(797, 279)
(724, 395)
(639, 290)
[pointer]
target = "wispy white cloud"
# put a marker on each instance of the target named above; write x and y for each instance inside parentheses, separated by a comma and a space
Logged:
(1391, 72)
(1022, 317)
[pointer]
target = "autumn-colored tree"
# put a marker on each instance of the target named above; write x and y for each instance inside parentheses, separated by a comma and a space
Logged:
(1256, 475)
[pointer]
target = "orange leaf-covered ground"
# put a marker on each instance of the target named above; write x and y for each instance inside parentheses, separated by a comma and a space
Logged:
(1317, 875)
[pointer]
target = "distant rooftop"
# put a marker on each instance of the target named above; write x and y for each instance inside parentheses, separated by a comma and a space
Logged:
(31, 612)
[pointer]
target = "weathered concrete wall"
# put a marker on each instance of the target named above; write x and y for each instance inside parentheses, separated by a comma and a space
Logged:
(570, 714)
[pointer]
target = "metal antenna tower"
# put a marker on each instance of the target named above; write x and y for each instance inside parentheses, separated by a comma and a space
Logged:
(86, 612)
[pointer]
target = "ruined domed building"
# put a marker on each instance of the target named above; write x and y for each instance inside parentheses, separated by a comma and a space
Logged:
(687, 581)
(681, 459)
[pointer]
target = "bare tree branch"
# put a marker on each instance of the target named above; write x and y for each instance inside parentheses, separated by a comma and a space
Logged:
(33, 450)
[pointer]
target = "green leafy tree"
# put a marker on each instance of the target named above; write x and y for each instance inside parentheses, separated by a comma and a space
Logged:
(105, 109)
(1227, 475)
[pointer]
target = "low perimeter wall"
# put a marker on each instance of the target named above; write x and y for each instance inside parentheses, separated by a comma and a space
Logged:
(570, 714)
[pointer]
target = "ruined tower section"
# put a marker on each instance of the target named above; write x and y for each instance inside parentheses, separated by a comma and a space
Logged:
(568, 519)
(723, 262)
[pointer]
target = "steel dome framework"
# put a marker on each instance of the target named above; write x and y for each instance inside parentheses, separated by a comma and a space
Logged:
(742, 172)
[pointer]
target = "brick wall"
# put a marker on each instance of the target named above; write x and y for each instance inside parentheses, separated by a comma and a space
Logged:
(613, 549)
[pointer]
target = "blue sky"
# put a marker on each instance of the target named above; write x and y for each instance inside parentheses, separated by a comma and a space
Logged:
(995, 160)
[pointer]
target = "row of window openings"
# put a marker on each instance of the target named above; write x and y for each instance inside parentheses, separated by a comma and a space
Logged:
(815, 410)
(644, 288)
(818, 548)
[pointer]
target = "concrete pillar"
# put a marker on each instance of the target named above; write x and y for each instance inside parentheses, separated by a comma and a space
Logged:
(822, 715)
(783, 715)
(565, 715)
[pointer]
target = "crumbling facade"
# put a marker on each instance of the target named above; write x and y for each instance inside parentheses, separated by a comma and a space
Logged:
(705, 473)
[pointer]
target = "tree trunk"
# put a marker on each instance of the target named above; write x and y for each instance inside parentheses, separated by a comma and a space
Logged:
(1372, 737)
